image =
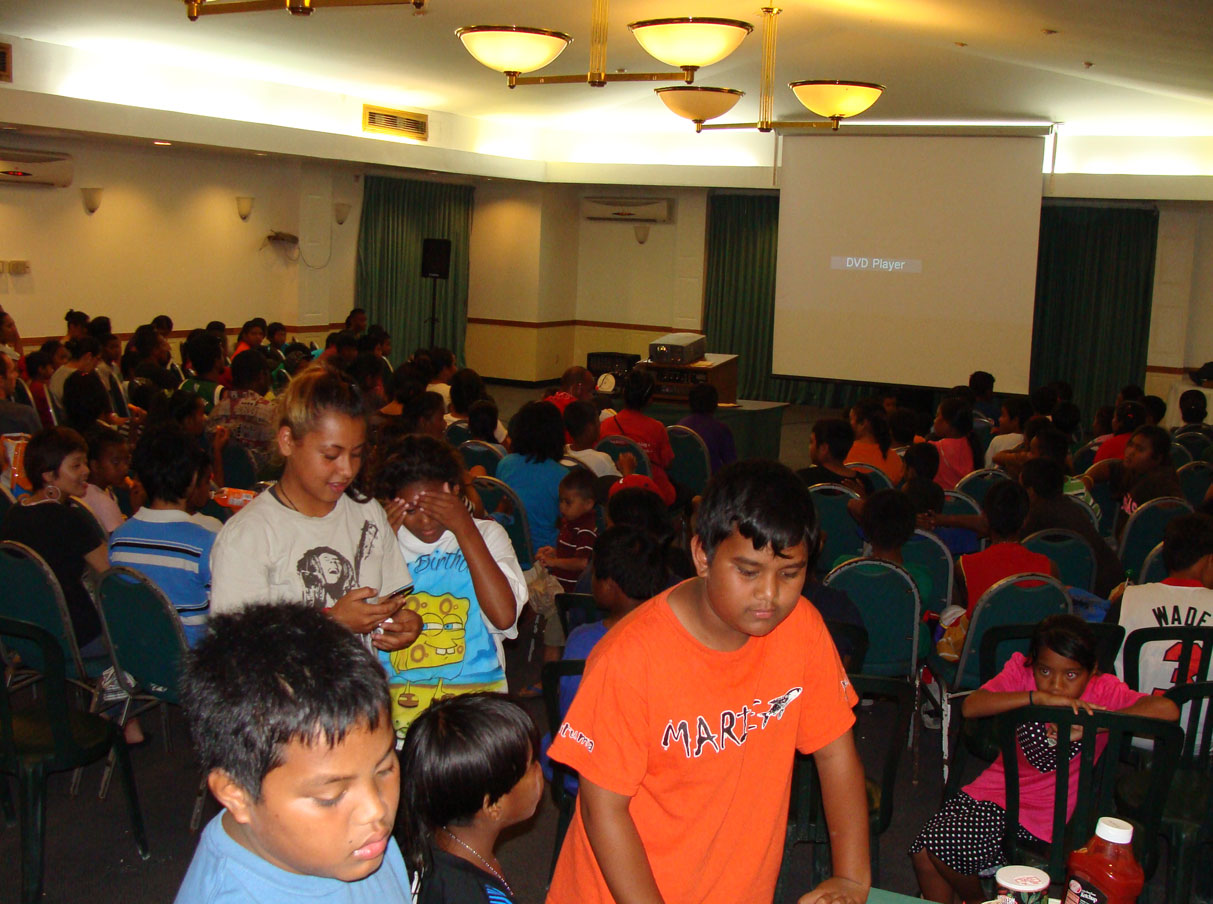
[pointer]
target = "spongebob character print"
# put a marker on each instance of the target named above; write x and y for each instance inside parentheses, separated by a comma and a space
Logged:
(455, 653)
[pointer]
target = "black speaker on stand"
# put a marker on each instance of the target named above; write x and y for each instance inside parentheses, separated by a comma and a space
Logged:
(435, 265)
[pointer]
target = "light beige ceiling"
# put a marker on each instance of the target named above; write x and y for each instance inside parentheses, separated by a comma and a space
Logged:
(1151, 60)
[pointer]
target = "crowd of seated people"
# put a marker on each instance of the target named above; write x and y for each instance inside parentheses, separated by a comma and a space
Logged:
(373, 517)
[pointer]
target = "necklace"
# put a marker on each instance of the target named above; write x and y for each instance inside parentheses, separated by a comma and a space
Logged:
(463, 844)
(285, 498)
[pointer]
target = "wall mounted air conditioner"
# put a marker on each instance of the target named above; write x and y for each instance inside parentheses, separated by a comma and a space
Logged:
(628, 210)
(35, 167)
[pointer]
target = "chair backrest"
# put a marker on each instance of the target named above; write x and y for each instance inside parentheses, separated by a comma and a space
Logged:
(1153, 569)
(887, 599)
(457, 432)
(692, 464)
(39, 650)
(1085, 457)
(926, 550)
(902, 694)
(31, 592)
(22, 394)
(576, 609)
(1188, 646)
(1180, 455)
(956, 502)
(1000, 641)
(976, 484)
(616, 444)
(239, 469)
(491, 492)
(1016, 600)
(1069, 551)
(1145, 528)
(1091, 513)
(144, 633)
(478, 452)
(1196, 442)
(1195, 478)
(841, 532)
(877, 477)
(1195, 700)
(1097, 779)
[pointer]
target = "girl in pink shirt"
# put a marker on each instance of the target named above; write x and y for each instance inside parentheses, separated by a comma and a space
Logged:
(959, 451)
(963, 841)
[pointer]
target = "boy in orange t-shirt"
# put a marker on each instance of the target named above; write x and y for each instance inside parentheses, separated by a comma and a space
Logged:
(692, 708)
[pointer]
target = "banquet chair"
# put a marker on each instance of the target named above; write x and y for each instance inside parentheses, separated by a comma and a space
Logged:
(958, 503)
(888, 602)
(477, 452)
(1101, 494)
(1196, 442)
(1019, 599)
(1195, 478)
(616, 444)
(876, 476)
(692, 464)
(52, 736)
(1153, 569)
(977, 483)
(1084, 457)
(146, 642)
(1069, 551)
(840, 530)
(1144, 530)
(563, 780)
(457, 432)
(492, 491)
(926, 550)
(1180, 456)
(1096, 782)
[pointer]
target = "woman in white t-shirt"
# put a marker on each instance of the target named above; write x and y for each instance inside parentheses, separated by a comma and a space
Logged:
(313, 537)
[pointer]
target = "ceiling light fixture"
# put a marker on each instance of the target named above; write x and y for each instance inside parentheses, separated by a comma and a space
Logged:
(196, 8)
(688, 43)
(834, 100)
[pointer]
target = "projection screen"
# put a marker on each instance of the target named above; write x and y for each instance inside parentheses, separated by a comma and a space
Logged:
(907, 260)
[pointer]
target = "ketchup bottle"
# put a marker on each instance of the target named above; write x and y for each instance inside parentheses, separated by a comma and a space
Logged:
(1104, 871)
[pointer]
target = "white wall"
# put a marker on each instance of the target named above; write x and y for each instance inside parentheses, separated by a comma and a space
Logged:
(167, 239)
(1200, 320)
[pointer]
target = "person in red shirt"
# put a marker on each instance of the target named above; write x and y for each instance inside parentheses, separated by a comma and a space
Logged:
(1005, 508)
(649, 433)
(1127, 418)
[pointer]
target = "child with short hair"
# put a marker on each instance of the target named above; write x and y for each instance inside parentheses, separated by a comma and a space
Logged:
(730, 669)
(581, 425)
(578, 530)
(289, 716)
(829, 442)
(959, 450)
(468, 588)
(162, 540)
(887, 521)
(471, 770)
(963, 841)
(483, 423)
(109, 462)
(703, 400)
(1013, 415)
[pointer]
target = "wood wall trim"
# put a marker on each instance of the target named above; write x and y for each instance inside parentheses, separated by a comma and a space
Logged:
(1155, 369)
(32, 343)
(539, 325)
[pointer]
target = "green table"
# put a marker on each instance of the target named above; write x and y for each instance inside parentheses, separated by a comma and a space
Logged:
(757, 426)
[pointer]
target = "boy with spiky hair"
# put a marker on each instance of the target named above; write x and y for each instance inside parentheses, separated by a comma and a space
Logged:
(289, 715)
(692, 708)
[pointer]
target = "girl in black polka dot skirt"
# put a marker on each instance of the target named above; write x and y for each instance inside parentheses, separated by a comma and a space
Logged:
(963, 841)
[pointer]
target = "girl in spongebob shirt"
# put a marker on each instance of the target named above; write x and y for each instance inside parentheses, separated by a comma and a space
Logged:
(467, 584)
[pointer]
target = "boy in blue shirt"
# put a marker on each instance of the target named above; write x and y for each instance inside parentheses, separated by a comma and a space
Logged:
(289, 716)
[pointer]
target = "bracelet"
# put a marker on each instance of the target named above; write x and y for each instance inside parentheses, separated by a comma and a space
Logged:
(1030, 698)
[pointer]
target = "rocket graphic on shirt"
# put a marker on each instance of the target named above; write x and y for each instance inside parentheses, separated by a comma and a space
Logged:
(729, 726)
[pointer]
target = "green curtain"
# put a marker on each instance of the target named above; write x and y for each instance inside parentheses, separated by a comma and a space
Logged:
(739, 301)
(397, 215)
(1094, 288)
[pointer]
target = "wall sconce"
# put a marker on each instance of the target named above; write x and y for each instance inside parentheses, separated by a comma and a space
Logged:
(92, 199)
(642, 232)
(244, 207)
(341, 210)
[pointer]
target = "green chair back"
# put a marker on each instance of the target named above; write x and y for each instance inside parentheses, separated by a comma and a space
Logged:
(956, 502)
(1195, 478)
(477, 452)
(841, 532)
(876, 476)
(492, 491)
(144, 632)
(1084, 457)
(32, 593)
(565, 802)
(1197, 444)
(1180, 456)
(616, 444)
(692, 464)
(1144, 531)
(1101, 495)
(1154, 568)
(1070, 552)
(239, 469)
(1189, 647)
(1096, 781)
(887, 599)
(576, 609)
(457, 433)
(976, 484)
(1021, 599)
(927, 551)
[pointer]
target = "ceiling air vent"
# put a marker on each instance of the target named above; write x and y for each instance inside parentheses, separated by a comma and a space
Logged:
(6, 62)
(401, 123)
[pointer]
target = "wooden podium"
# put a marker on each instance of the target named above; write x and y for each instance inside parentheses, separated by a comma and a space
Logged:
(674, 381)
